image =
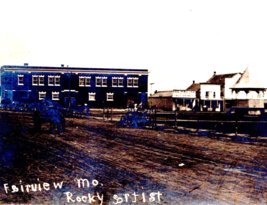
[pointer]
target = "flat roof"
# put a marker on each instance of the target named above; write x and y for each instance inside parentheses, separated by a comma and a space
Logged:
(74, 69)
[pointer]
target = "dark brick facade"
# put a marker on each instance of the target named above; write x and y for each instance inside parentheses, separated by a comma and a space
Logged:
(74, 86)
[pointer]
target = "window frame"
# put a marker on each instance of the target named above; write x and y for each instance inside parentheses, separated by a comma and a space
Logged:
(41, 82)
(55, 93)
(34, 79)
(129, 82)
(57, 81)
(110, 94)
(91, 94)
(207, 94)
(98, 82)
(42, 93)
(53, 80)
(20, 82)
(134, 80)
(104, 82)
(115, 82)
(87, 79)
(81, 81)
(120, 80)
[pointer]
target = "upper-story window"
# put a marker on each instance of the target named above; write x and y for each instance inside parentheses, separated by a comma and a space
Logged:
(20, 79)
(35, 80)
(214, 94)
(104, 81)
(129, 82)
(51, 80)
(132, 82)
(88, 81)
(38, 80)
(114, 82)
(41, 80)
(98, 82)
(84, 81)
(101, 81)
(81, 81)
(117, 81)
(120, 81)
(207, 94)
(57, 80)
(54, 80)
(135, 82)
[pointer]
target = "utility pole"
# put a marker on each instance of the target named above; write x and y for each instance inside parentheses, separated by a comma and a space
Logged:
(151, 87)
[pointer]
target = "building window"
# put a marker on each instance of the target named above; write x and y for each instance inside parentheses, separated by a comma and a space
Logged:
(57, 80)
(81, 81)
(53, 80)
(120, 82)
(84, 81)
(207, 94)
(129, 82)
(35, 80)
(135, 82)
(98, 82)
(41, 80)
(101, 81)
(91, 96)
(104, 82)
(50, 80)
(114, 82)
(55, 95)
(42, 95)
(132, 82)
(214, 94)
(20, 79)
(110, 96)
(88, 81)
(117, 82)
(38, 80)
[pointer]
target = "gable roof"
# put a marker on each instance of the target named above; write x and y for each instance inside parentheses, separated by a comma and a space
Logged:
(194, 87)
(248, 80)
(220, 79)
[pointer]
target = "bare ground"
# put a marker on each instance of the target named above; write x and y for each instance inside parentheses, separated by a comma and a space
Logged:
(184, 168)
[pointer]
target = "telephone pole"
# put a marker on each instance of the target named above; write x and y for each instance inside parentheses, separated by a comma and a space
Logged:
(151, 87)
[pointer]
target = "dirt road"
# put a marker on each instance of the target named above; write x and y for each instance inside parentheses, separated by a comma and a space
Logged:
(128, 166)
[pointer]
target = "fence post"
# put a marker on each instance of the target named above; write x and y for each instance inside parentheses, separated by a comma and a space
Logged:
(111, 112)
(175, 117)
(236, 127)
(155, 117)
(103, 113)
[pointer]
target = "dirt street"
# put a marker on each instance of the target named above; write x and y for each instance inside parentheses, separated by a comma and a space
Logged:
(127, 166)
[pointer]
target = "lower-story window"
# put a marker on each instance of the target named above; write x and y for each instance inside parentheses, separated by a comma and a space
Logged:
(42, 95)
(55, 95)
(91, 96)
(110, 96)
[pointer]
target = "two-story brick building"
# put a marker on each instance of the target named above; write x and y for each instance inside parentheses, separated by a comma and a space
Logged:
(71, 86)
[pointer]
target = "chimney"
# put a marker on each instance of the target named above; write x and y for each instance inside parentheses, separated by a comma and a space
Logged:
(193, 82)
(26, 64)
(62, 65)
(214, 72)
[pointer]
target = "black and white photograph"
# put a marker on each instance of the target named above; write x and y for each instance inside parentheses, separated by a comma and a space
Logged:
(133, 102)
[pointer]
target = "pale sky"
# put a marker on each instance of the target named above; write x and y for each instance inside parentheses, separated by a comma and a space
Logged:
(177, 41)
